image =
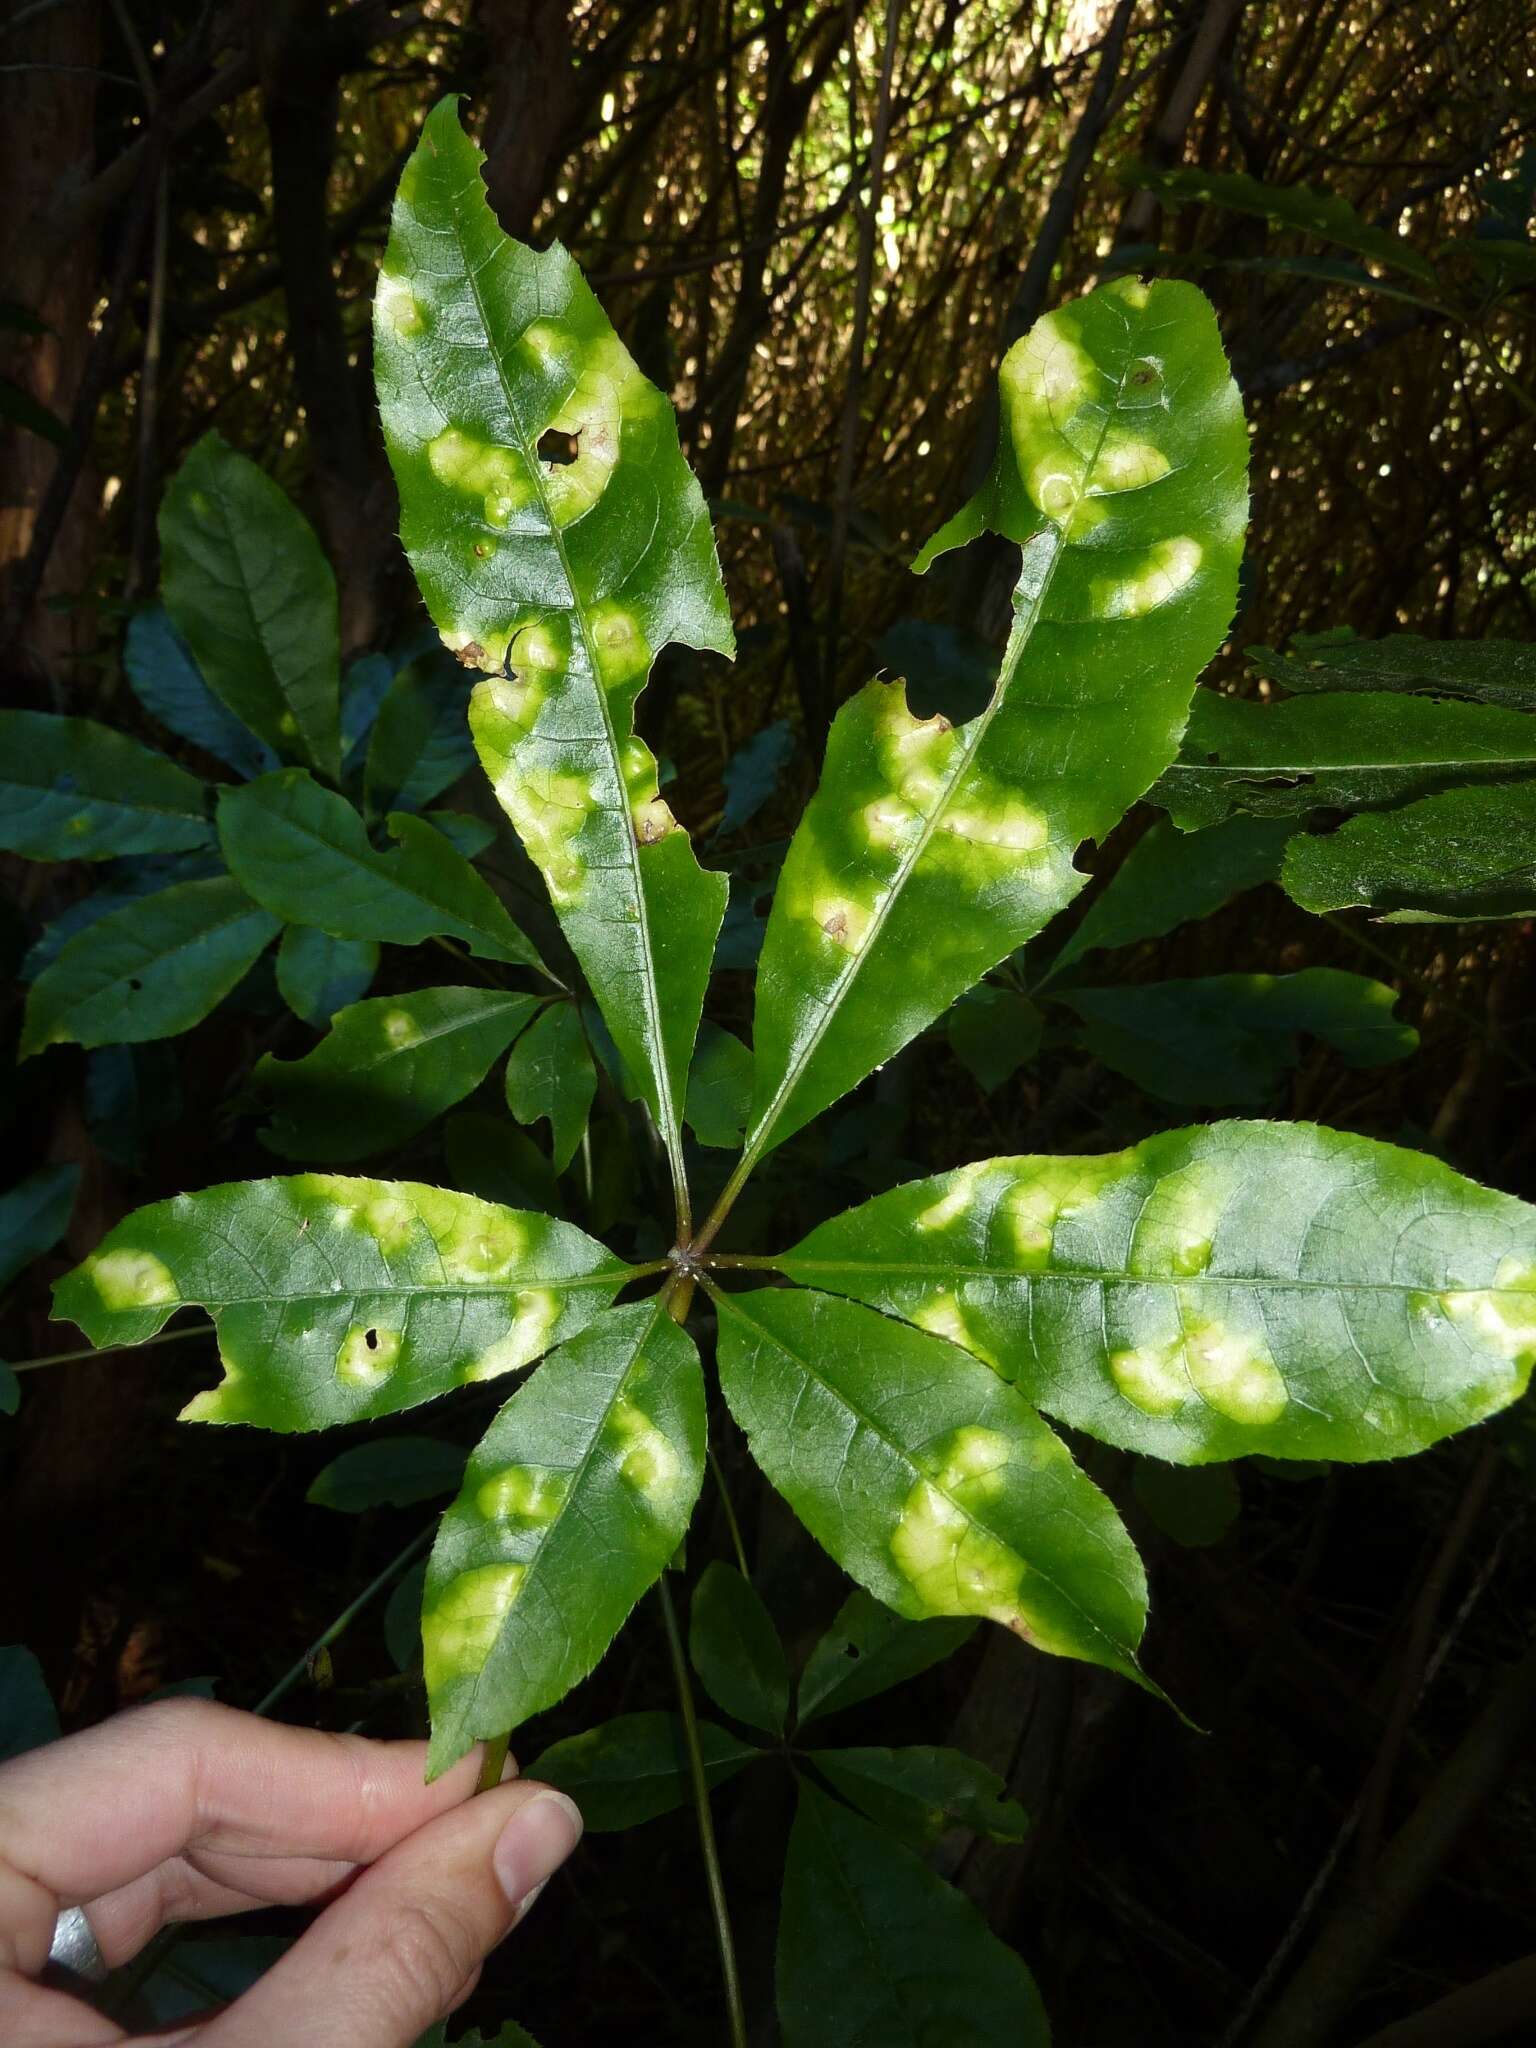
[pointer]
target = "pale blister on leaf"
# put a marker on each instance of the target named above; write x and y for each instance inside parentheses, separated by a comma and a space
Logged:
(929, 853)
(338, 1299)
(1240, 1288)
(927, 1477)
(601, 1454)
(562, 580)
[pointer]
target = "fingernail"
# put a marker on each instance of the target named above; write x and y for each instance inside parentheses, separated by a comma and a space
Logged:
(528, 1904)
(535, 1842)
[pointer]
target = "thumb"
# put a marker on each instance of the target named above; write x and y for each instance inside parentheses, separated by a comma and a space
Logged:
(403, 1946)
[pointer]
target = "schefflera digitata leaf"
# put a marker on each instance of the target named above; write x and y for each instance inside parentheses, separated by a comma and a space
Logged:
(339, 1299)
(560, 542)
(1234, 1288)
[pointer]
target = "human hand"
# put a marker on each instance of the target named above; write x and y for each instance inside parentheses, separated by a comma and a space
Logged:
(186, 1810)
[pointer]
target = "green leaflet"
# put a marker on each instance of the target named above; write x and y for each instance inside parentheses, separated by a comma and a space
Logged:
(387, 1069)
(339, 1300)
(318, 975)
(74, 790)
(34, 1215)
(876, 1952)
(928, 853)
(634, 1768)
(1345, 751)
(867, 1650)
(1469, 853)
(927, 1477)
(917, 1793)
(1301, 207)
(1169, 877)
(165, 679)
(303, 852)
(1489, 671)
(992, 1032)
(253, 597)
(600, 1454)
(736, 1651)
(1195, 1505)
(1231, 1038)
(150, 970)
(420, 742)
(569, 576)
(394, 1472)
(550, 1074)
(1246, 1287)
(719, 1088)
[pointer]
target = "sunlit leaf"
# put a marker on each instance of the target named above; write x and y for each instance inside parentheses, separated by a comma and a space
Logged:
(1468, 853)
(74, 790)
(1230, 1038)
(253, 597)
(929, 1479)
(339, 1299)
(867, 1650)
(167, 682)
(569, 575)
(386, 1069)
(550, 1074)
(635, 1767)
(929, 853)
(1247, 1287)
(303, 852)
(394, 1472)
(318, 975)
(602, 1450)
(150, 970)
(1345, 752)
(917, 1793)
(736, 1650)
(876, 1952)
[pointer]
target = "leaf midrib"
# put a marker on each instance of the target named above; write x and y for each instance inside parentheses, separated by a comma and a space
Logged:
(795, 1267)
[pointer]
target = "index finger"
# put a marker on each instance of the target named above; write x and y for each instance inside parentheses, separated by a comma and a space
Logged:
(100, 1809)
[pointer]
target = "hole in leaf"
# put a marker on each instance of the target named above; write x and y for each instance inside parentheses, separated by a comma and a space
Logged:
(557, 447)
(136, 986)
(371, 1339)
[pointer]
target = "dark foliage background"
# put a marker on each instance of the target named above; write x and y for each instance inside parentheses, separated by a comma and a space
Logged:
(824, 270)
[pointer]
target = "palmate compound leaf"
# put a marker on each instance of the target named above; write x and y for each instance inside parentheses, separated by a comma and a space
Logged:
(338, 1299)
(575, 1500)
(1342, 751)
(570, 576)
(1246, 1287)
(927, 1477)
(71, 789)
(929, 853)
(304, 852)
(875, 1951)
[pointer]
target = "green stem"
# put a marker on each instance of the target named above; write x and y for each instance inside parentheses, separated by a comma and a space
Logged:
(106, 1350)
(493, 1762)
(717, 1899)
(345, 1619)
(730, 1515)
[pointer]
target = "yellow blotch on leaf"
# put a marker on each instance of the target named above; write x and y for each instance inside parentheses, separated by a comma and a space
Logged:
(398, 307)
(1167, 567)
(535, 1316)
(368, 1355)
(530, 1494)
(1501, 1318)
(647, 1459)
(132, 1279)
(459, 1633)
(496, 475)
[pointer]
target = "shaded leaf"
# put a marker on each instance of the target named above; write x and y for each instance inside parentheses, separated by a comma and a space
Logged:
(1209, 1293)
(150, 970)
(34, 1215)
(1301, 207)
(74, 790)
(402, 1618)
(132, 1095)
(420, 742)
(571, 577)
(550, 1074)
(338, 1299)
(302, 851)
(603, 1449)
(876, 1952)
(917, 1793)
(1489, 671)
(926, 1476)
(736, 1650)
(1195, 1505)
(10, 1390)
(319, 975)
(719, 1088)
(253, 597)
(125, 881)
(992, 1032)
(1468, 853)
(28, 1717)
(471, 835)
(1170, 877)
(492, 1158)
(386, 1069)
(1230, 1038)
(928, 854)
(167, 682)
(1344, 752)
(867, 1650)
(394, 1472)
(752, 774)
(635, 1768)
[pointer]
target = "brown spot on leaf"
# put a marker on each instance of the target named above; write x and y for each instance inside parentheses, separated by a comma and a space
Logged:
(470, 655)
